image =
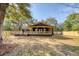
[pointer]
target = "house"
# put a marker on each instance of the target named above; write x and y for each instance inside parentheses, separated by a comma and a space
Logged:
(40, 29)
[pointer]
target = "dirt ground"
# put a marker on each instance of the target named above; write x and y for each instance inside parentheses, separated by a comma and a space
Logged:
(56, 45)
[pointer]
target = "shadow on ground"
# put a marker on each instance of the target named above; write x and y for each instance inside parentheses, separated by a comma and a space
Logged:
(47, 50)
(68, 50)
(44, 46)
(62, 37)
(7, 48)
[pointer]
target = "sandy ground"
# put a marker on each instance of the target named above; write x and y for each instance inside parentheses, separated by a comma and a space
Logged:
(50, 45)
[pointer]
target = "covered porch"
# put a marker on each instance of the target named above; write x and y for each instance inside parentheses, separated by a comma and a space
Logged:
(41, 29)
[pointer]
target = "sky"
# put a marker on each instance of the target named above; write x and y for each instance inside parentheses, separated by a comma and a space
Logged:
(59, 11)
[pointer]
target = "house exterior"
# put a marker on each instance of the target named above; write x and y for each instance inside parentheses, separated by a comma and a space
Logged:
(40, 29)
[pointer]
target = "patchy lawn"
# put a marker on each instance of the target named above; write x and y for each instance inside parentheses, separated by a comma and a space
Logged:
(56, 45)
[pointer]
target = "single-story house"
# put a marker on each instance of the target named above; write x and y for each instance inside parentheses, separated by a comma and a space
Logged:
(40, 29)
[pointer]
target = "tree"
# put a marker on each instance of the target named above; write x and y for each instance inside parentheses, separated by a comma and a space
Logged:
(8, 25)
(71, 21)
(67, 26)
(32, 21)
(2, 15)
(75, 27)
(13, 11)
(51, 21)
(59, 27)
(18, 24)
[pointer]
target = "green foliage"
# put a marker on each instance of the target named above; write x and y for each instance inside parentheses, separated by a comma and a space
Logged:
(16, 11)
(72, 22)
(32, 21)
(75, 27)
(32, 52)
(51, 21)
(67, 26)
(59, 27)
(7, 25)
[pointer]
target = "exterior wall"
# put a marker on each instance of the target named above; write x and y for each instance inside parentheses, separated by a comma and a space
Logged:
(40, 32)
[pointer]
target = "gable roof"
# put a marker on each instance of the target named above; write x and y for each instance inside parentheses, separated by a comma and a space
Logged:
(40, 24)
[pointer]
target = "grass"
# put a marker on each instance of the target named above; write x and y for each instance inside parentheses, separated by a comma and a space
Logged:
(6, 34)
(31, 52)
(56, 45)
(63, 50)
(72, 48)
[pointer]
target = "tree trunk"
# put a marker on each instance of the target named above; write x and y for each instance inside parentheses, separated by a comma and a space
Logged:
(2, 15)
(1, 35)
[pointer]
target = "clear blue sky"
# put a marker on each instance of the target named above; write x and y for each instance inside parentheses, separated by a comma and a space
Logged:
(59, 11)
